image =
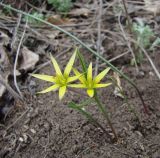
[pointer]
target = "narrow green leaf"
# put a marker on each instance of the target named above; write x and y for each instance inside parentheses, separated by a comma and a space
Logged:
(86, 114)
(83, 62)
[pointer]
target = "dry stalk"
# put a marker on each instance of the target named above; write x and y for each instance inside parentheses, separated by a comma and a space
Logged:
(16, 60)
(128, 42)
(99, 42)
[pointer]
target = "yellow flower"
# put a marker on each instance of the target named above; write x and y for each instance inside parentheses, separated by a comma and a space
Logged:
(60, 79)
(89, 82)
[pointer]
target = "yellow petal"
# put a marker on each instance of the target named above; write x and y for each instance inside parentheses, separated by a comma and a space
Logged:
(71, 79)
(51, 88)
(76, 71)
(81, 78)
(101, 75)
(90, 92)
(56, 66)
(102, 85)
(44, 77)
(62, 91)
(77, 85)
(89, 73)
(70, 64)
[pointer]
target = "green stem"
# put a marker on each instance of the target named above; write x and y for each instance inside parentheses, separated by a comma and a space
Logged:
(105, 114)
(88, 116)
(85, 46)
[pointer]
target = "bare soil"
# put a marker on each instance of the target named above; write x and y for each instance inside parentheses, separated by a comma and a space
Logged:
(46, 127)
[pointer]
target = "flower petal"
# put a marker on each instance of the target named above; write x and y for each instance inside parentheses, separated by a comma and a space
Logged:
(89, 73)
(102, 85)
(56, 66)
(90, 92)
(81, 78)
(62, 91)
(76, 71)
(73, 78)
(44, 77)
(77, 85)
(51, 88)
(70, 64)
(101, 75)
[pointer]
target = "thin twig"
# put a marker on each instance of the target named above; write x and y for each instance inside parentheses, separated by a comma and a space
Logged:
(128, 18)
(115, 58)
(16, 59)
(99, 41)
(130, 31)
(151, 62)
(11, 125)
(127, 41)
(16, 30)
(118, 56)
(148, 57)
(129, 46)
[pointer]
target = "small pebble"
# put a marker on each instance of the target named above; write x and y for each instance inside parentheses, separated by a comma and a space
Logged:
(25, 137)
(32, 130)
(151, 73)
(21, 139)
(140, 74)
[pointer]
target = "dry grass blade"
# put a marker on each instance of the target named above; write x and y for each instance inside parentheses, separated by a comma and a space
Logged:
(16, 60)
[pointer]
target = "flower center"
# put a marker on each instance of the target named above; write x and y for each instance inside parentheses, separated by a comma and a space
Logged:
(89, 84)
(61, 80)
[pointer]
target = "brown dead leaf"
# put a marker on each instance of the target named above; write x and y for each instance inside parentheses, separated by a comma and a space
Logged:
(4, 68)
(51, 34)
(4, 61)
(2, 87)
(29, 59)
(57, 20)
(118, 89)
(152, 6)
(80, 12)
(4, 39)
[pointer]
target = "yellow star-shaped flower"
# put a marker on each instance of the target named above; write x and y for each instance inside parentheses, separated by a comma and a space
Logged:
(89, 82)
(60, 79)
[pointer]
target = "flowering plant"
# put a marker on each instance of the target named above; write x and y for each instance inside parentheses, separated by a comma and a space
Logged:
(61, 81)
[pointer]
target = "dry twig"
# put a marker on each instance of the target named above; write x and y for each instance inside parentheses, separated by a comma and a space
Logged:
(16, 30)
(149, 58)
(16, 60)
(128, 42)
(99, 42)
